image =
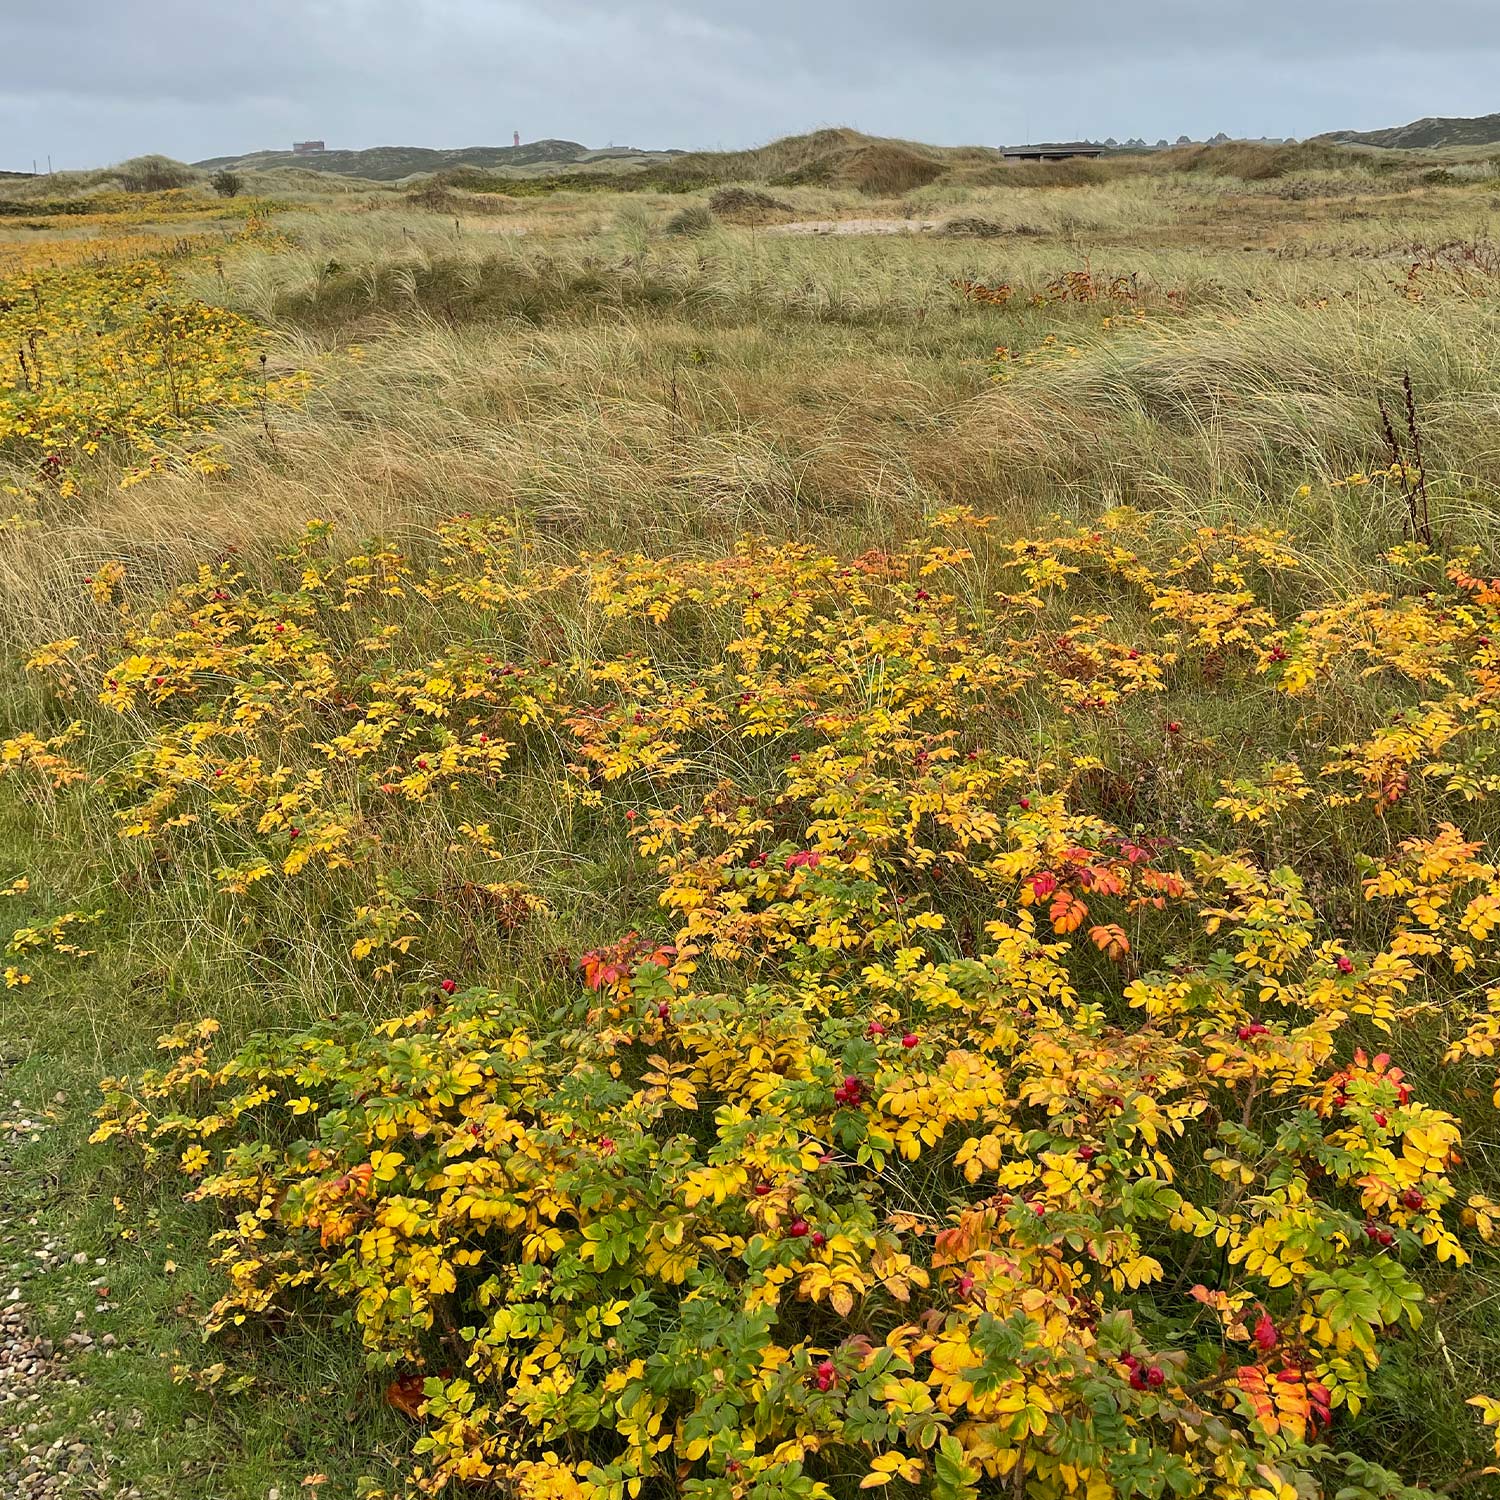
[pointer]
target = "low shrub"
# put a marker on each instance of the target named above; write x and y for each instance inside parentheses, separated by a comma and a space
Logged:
(980, 1117)
(30, 207)
(740, 205)
(154, 174)
(971, 227)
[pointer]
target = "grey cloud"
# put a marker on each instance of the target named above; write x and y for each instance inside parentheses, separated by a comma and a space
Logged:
(93, 80)
(964, 29)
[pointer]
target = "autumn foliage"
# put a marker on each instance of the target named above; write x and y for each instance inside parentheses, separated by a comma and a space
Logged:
(973, 1119)
(110, 356)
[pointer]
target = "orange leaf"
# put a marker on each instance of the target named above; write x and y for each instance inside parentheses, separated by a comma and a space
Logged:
(1110, 940)
(1067, 912)
(406, 1395)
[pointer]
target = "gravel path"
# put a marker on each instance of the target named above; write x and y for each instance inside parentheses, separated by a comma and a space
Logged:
(37, 1378)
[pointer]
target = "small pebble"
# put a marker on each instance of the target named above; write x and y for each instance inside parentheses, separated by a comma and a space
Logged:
(33, 1373)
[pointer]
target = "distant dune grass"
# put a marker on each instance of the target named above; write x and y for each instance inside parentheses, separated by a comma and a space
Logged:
(606, 375)
(836, 158)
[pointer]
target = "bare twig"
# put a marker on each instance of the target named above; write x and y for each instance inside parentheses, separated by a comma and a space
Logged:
(1413, 475)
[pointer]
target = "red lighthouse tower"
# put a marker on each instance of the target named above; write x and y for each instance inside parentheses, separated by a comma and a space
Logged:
(518, 138)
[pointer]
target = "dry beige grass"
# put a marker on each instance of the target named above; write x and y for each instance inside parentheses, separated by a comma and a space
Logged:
(564, 358)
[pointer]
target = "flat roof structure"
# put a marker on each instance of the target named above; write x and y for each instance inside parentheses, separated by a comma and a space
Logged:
(1053, 151)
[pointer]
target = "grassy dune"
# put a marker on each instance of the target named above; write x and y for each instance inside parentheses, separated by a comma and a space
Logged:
(682, 617)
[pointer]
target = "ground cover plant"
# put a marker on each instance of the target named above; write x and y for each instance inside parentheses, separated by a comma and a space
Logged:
(833, 865)
(106, 354)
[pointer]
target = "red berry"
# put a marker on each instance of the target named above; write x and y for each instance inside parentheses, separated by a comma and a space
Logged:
(1346, 965)
(1385, 1237)
(1155, 1376)
(1025, 804)
(1412, 1199)
(819, 1239)
(1136, 1382)
(663, 1010)
(1086, 1153)
(909, 1040)
(875, 1029)
(448, 986)
(1379, 1118)
(1129, 1360)
(762, 1188)
(1174, 727)
(797, 1228)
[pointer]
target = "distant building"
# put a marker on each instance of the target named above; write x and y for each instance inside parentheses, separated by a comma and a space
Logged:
(1053, 151)
(308, 148)
(518, 138)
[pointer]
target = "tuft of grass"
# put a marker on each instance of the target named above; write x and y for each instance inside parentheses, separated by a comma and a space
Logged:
(692, 222)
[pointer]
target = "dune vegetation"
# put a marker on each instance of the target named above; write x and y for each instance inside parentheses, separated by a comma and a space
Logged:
(819, 820)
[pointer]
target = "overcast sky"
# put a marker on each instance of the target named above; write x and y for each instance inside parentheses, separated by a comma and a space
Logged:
(93, 81)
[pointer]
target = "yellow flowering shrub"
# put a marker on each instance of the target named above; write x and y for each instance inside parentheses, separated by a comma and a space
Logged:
(109, 353)
(968, 1123)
